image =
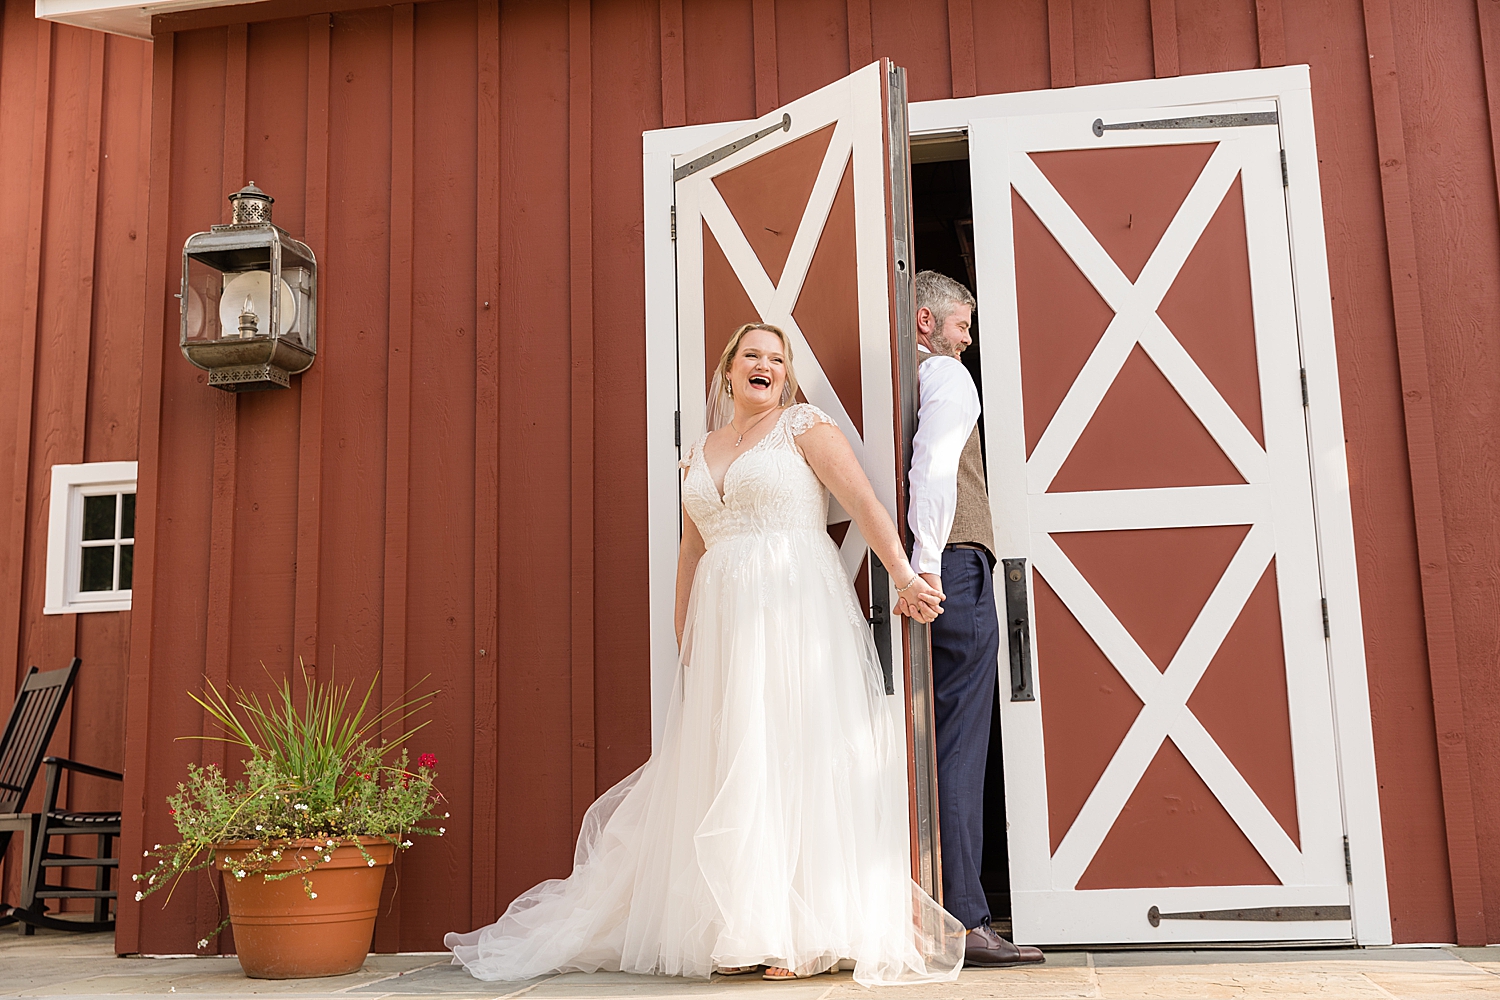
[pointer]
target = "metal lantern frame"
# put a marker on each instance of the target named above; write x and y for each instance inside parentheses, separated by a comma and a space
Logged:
(257, 352)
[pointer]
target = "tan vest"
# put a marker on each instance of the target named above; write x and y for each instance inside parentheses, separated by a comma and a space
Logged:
(971, 520)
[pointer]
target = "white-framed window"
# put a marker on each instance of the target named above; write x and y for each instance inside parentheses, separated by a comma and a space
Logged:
(91, 538)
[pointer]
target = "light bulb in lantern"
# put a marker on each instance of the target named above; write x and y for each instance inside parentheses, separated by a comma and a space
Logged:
(249, 321)
(255, 286)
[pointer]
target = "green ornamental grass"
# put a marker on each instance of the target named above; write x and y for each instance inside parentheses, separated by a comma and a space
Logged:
(316, 778)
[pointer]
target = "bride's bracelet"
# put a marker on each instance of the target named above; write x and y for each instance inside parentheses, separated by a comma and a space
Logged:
(914, 578)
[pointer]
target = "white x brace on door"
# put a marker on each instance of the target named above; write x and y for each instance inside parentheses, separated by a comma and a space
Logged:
(1176, 777)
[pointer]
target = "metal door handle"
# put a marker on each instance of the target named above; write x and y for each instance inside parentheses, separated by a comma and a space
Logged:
(880, 621)
(1018, 625)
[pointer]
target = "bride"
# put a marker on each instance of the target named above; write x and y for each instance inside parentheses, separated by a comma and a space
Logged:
(770, 827)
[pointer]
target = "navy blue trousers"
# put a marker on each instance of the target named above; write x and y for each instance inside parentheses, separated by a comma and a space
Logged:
(965, 651)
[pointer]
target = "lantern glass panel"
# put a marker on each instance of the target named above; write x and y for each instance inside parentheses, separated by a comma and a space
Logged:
(303, 327)
(205, 287)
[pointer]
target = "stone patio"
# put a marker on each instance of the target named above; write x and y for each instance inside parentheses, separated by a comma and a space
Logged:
(54, 964)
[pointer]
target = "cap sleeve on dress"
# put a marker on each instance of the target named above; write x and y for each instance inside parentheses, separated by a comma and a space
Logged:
(802, 417)
(696, 446)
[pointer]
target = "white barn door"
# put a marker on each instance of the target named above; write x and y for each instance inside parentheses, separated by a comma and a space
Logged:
(800, 219)
(1175, 778)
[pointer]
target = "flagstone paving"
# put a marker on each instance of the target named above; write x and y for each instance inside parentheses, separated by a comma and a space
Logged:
(59, 965)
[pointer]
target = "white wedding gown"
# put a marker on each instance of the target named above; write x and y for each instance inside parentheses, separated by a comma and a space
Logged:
(770, 827)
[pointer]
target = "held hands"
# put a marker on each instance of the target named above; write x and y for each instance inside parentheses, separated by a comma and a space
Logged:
(922, 599)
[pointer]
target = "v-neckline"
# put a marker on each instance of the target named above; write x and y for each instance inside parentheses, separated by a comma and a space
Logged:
(722, 491)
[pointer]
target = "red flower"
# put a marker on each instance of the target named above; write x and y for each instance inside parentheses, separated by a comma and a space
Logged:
(427, 760)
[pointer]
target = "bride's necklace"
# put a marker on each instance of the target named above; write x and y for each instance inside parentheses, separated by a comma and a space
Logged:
(752, 427)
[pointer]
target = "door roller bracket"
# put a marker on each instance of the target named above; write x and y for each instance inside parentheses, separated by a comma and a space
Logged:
(710, 158)
(1018, 625)
(1287, 913)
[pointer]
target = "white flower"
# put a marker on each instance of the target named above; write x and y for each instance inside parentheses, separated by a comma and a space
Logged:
(140, 896)
(442, 830)
(259, 827)
(445, 815)
(312, 895)
(202, 944)
(145, 854)
(158, 847)
(240, 873)
(405, 843)
(372, 862)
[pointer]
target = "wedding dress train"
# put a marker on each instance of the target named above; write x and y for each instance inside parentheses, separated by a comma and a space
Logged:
(770, 827)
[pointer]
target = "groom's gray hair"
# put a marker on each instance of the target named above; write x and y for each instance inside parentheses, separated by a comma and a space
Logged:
(941, 294)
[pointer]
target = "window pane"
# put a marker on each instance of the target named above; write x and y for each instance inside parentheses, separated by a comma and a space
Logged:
(127, 563)
(98, 566)
(98, 518)
(127, 519)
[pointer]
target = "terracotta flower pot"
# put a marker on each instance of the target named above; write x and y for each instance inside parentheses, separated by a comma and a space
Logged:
(281, 934)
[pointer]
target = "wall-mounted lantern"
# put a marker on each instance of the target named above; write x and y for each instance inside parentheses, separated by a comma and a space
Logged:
(233, 327)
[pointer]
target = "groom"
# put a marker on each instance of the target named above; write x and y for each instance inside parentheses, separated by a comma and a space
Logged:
(954, 550)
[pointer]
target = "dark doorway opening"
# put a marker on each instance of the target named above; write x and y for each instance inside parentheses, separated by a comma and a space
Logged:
(943, 241)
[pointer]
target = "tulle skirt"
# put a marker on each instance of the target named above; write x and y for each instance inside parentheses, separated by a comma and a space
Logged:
(770, 827)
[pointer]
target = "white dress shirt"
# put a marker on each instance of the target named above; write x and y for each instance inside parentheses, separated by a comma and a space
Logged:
(947, 410)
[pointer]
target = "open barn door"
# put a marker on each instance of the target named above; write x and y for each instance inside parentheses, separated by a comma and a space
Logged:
(1176, 776)
(800, 219)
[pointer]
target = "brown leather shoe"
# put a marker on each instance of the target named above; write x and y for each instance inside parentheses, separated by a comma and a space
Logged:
(984, 949)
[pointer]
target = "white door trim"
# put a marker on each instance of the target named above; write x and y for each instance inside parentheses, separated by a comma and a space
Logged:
(1290, 86)
(663, 506)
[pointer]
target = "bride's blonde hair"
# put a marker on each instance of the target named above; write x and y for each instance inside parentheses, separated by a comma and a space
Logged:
(720, 403)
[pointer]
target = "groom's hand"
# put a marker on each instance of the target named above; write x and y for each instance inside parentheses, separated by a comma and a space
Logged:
(925, 602)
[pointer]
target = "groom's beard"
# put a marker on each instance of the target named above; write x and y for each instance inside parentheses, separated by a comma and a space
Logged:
(942, 345)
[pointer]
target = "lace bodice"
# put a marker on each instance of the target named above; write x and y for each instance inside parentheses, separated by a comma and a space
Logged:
(769, 488)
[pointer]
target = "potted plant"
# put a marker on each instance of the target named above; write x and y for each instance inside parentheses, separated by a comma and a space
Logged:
(303, 839)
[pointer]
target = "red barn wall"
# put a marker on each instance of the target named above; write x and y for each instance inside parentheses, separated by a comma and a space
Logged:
(73, 145)
(455, 493)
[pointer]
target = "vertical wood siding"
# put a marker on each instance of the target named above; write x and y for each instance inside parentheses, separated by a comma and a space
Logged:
(73, 115)
(455, 493)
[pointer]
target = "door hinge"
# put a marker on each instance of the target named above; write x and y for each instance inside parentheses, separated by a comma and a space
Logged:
(1285, 182)
(1326, 633)
(1348, 863)
(709, 159)
(1196, 121)
(1304, 387)
(674, 223)
(677, 429)
(1296, 914)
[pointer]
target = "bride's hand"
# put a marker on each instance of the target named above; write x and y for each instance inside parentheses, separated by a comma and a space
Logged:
(921, 601)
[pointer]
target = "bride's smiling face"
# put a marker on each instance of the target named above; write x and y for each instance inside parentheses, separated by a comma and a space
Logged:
(758, 371)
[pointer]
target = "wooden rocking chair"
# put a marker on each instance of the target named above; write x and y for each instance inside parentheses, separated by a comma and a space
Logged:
(38, 708)
(55, 822)
(39, 705)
